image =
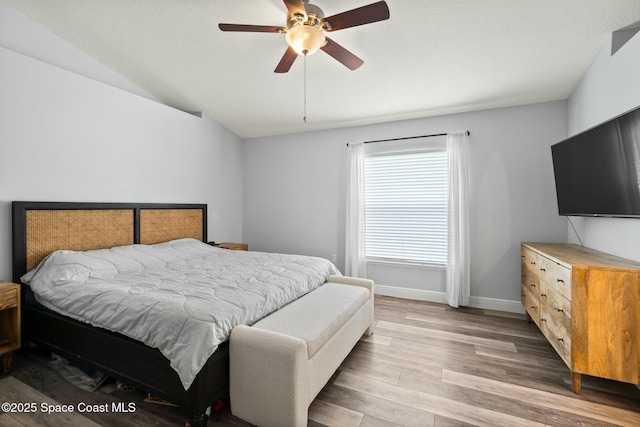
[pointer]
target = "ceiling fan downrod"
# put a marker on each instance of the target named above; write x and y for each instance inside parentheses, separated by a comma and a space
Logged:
(305, 89)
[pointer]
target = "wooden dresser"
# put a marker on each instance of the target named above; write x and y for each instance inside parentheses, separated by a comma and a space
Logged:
(9, 323)
(587, 304)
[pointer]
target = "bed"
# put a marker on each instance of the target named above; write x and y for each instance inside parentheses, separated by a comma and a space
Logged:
(40, 228)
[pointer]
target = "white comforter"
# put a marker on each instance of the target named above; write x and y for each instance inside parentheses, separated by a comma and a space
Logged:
(182, 297)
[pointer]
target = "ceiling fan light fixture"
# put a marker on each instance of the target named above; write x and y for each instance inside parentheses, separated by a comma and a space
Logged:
(305, 39)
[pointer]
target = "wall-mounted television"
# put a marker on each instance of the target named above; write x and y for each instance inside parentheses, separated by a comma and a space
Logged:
(597, 172)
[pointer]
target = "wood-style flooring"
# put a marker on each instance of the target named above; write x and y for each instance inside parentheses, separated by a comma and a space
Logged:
(425, 365)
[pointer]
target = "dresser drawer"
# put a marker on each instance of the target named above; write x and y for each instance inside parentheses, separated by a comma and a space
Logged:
(555, 275)
(531, 304)
(556, 306)
(530, 260)
(8, 298)
(532, 282)
(556, 333)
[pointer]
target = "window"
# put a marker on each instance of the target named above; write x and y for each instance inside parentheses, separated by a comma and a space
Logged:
(406, 206)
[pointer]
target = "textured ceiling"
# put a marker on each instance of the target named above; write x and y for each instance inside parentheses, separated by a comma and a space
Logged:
(431, 57)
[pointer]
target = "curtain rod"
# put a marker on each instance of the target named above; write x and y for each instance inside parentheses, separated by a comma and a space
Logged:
(408, 137)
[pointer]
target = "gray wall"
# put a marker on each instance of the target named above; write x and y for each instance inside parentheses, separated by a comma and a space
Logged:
(609, 88)
(294, 191)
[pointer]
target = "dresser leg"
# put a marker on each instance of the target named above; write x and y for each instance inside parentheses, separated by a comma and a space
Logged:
(576, 380)
(6, 362)
(527, 317)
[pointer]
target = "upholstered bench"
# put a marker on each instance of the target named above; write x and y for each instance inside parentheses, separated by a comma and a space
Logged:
(280, 364)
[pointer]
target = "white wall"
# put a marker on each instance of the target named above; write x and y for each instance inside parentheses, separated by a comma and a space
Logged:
(20, 34)
(67, 137)
(609, 88)
(295, 186)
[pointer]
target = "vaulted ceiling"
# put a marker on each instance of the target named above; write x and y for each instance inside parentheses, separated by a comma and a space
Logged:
(431, 57)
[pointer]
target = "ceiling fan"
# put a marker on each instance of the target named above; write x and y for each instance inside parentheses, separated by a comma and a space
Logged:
(306, 28)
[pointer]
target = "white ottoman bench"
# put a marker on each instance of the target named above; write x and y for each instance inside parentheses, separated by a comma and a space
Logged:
(280, 364)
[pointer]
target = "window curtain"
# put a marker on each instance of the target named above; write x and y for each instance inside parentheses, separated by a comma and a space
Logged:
(458, 283)
(355, 261)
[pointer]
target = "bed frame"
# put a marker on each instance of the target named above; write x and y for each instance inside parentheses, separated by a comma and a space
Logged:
(40, 228)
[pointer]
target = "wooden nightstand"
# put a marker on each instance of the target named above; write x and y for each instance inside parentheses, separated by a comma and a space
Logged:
(234, 246)
(9, 322)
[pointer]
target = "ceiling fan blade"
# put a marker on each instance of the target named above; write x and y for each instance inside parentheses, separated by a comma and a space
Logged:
(363, 15)
(252, 28)
(287, 61)
(341, 54)
(296, 7)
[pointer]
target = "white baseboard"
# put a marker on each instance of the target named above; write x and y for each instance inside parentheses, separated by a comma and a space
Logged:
(497, 304)
(440, 297)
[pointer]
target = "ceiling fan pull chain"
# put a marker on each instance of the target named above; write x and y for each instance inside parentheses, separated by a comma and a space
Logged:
(305, 89)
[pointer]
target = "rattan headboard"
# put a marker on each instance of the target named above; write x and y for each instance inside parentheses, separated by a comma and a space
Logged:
(40, 228)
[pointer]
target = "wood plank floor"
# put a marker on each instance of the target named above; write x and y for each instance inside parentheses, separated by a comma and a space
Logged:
(425, 365)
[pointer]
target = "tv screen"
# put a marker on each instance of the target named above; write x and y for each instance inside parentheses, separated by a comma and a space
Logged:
(597, 172)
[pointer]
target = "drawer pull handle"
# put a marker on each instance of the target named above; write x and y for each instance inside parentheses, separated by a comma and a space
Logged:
(534, 307)
(542, 269)
(543, 320)
(561, 339)
(560, 280)
(560, 310)
(533, 285)
(533, 263)
(543, 295)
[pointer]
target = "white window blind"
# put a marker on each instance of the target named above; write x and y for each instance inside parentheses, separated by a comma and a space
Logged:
(406, 207)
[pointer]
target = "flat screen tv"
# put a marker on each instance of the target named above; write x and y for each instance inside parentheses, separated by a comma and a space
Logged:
(597, 172)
